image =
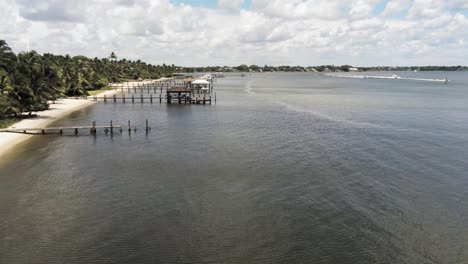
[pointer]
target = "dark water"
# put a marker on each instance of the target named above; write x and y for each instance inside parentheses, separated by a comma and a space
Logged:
(285, 168)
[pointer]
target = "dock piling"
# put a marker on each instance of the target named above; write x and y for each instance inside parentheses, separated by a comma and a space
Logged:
(93, 129)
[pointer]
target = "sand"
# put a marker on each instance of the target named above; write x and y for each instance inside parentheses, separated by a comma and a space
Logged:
(60, 109)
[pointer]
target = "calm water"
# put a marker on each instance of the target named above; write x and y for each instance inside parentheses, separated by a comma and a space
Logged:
(286, 168)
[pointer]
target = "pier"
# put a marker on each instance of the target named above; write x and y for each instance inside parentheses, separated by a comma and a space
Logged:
(171, 96)
(76, 130)
(184, 91)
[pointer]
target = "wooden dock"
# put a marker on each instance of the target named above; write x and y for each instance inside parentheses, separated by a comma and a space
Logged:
(183, 91)
(169, 98)
(76, 130)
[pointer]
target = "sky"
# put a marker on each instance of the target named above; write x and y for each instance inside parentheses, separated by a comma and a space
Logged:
(234, 32)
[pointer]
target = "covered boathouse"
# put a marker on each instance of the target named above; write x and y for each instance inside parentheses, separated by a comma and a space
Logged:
(187, 94)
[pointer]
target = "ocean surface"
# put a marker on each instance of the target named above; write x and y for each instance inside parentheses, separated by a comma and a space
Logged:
(284, 168)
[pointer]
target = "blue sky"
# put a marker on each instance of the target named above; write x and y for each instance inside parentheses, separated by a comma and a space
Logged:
(233, 32)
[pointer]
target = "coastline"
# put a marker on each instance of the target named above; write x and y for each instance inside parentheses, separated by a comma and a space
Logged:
(60, 109)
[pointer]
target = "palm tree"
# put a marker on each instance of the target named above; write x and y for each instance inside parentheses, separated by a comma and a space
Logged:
(112, 56)
(7, 57)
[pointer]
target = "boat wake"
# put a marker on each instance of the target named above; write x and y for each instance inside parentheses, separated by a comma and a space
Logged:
(361, 125)
(248, 87)
(331, 118)
(394, 76)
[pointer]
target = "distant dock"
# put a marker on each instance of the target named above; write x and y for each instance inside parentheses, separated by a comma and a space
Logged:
(188, 90)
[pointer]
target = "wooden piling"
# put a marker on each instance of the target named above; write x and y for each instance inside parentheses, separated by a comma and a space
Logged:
(93, 129)
(129, 127)
(115, 98)
(133, 98)
(151, 98)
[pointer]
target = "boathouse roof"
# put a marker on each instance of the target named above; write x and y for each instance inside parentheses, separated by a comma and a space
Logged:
(179, 89)
(201, 82)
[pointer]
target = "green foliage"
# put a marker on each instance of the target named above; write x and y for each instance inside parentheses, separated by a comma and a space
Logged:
(29, 80)
(243, 68)
(345, 68)
(4, 123)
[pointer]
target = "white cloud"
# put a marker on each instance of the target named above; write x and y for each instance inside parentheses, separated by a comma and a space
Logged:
(299, 9)
(293, 32)
(362, 9)
(427, 8)
(230, 4)
(459, 4)
(395, 7)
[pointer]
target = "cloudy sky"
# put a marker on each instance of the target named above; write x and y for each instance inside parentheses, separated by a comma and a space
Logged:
(232, 32)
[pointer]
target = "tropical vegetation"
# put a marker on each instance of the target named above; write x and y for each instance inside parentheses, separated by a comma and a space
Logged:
(28, 80)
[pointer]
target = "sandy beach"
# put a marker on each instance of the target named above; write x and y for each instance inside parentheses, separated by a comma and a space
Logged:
(60, 109)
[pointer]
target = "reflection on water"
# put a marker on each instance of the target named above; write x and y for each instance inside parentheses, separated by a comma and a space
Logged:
(285, 168)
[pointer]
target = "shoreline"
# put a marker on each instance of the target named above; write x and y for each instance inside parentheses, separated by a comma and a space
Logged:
(61, 109)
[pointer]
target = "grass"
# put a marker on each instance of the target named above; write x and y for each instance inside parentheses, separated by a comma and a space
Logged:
(4, 123)
(94, 92)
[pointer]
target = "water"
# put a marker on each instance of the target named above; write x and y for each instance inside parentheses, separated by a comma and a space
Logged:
(285, 168)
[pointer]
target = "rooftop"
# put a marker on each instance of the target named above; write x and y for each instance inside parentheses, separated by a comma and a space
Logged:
(179, 89)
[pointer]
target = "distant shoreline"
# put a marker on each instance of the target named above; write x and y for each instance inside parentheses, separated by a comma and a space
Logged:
(322, 68)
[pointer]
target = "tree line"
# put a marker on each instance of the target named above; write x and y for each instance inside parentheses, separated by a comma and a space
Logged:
(28, 80)
(320, 68)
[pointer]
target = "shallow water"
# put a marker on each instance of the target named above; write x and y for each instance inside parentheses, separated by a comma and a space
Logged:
(285, 168)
